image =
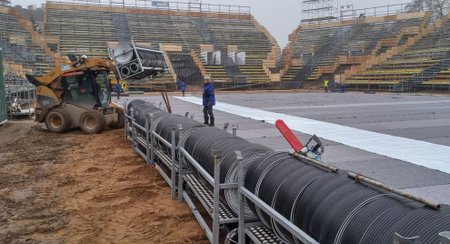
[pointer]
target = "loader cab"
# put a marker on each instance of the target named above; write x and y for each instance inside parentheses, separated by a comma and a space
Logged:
(88, 89)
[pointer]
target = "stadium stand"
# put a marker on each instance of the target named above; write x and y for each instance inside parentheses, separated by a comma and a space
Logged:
(329, 48)
(96, 26)
(88, 35)
(400, 52)
(25, 51)
(421, 63)
(441, 79)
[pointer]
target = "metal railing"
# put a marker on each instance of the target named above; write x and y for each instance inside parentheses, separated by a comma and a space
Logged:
(163, 5)
(349, 12)
(391, 9)
(19, 91)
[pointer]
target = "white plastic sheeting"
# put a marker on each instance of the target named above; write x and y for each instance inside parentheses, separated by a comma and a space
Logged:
(430, 155)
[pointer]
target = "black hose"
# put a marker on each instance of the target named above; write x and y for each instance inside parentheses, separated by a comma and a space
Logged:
(362, 220)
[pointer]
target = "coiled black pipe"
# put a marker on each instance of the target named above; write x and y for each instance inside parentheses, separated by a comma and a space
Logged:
(199, 141)
(166, 124)
(363, 219)
(229, 165)
(333, 208)
(142, 110)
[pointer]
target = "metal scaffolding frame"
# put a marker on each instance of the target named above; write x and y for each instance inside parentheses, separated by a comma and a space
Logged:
(318, 10)
(19, 91)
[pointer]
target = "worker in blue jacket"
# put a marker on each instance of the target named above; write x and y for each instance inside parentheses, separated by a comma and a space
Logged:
(181, 86)
(209, 100)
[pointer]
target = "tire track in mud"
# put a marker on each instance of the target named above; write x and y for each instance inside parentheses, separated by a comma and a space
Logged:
(76, 188)
(29, 204)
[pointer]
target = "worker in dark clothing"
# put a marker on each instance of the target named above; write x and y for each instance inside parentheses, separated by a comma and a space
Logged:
(118, 89)
(209, 100)
(181, 86)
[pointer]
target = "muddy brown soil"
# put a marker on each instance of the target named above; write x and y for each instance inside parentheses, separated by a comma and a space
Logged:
(76, 188)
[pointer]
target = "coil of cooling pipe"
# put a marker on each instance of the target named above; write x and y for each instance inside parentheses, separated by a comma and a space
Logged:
(142, 111)
(333, 208)
(199, 144)
(163, 122)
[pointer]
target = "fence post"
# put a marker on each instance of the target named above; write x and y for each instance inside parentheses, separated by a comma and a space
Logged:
(216, 196)
(133, 130)
(180, 165)
(241, 233)
(152, 141)
(147, 140)
(172, 173)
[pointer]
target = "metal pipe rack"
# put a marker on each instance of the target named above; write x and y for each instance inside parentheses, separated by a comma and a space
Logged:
(197, 181)
(144, 140)
(191, 183)
(257, 232)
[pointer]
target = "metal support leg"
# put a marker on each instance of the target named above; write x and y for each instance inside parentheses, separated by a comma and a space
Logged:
(133, 131)
(152, 141)
(241, 233)
(125, 120)
(216, 206)
(225, 126)
(234, 128)
(147, 139)
(172, 173)
(180, 166)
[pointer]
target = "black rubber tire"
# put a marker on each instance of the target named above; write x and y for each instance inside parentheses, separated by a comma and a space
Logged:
(57, 120)
(120, 121)
(92, 122)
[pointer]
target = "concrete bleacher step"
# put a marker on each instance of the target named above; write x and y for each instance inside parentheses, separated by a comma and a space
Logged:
(120, 23)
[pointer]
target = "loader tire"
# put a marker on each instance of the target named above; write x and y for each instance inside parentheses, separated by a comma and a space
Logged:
(57, 120)
(92, 122)
(120, 120)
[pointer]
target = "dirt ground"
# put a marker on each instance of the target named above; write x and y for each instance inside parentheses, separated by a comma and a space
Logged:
(76, 188)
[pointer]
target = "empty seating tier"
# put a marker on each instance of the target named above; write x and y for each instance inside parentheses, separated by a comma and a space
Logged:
(324, 48)
(422, 64)
(18, 46)
(95, 26)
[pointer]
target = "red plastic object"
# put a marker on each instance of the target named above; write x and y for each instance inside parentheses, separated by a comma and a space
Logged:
(289, 135)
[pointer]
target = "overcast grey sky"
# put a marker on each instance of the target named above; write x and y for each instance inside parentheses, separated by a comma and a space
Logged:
(279, 17)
